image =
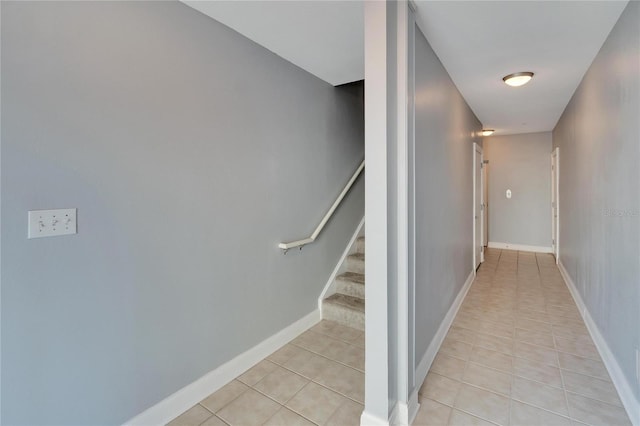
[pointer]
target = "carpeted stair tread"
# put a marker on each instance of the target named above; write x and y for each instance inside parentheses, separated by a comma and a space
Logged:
(355, 263)
(350, 302)
(358, 256)
(352, 276)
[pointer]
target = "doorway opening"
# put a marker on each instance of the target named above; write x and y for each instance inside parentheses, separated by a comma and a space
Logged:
(555, 205)
(478, 207)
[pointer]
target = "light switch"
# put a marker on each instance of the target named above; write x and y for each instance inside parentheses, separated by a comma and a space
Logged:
(508, 193)
(51, 223)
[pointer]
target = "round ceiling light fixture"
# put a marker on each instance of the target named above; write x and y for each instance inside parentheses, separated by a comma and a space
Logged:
(487, 132)
(517, 78)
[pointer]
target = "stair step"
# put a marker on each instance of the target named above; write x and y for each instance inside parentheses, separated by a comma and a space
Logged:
(360, 245)
(355, 263)
(346, 310)
(350, 284)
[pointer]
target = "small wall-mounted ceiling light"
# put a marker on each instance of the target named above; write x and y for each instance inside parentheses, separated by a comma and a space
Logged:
(518, 78)
(487, 132)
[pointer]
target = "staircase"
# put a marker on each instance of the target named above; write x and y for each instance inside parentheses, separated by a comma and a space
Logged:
(346, 305)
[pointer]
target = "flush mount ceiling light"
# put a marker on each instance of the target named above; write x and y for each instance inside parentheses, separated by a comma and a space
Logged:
(517, 78)
(487, 132)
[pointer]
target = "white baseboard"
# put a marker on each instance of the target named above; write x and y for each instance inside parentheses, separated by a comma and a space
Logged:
(177, 403)
(624, 388)
(436, 342)
(326, 291)
(520, 247)
(367, 419)
(414, 406)
(398, 413)
(403, 414)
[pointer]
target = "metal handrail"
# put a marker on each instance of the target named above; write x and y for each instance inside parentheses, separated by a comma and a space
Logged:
(325, 219)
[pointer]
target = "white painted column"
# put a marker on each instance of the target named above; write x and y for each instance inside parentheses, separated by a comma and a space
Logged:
(376, 411)
(388, 364)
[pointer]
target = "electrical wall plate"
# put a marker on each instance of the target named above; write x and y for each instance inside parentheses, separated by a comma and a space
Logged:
(508, 193)
(51, 223)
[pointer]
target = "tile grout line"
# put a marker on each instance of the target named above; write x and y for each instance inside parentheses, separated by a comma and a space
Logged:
(337, 392)
(513, 376)
(474, 415)
(325, 357)
(566, 416)
(594, 399)
(566, 398)
(300, 414)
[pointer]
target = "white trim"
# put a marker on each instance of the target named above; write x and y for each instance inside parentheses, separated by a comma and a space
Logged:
(177, 403)
(434, 346)
(399, 414)
(485, 204)
(624, 388)
(553, 197)
(378, 95)
(558, 206)
(367, 419)
(329, 286)
(411, 189)
(414, 405)
(403, 414)
(520, 247)
(477, 150)
(555, 161)
(402, 207)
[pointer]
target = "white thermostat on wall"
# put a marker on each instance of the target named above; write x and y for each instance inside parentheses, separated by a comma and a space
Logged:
(508, 193)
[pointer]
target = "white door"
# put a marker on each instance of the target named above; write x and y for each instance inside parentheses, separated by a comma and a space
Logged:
(485, 205)
(555, 205)
(477, 206)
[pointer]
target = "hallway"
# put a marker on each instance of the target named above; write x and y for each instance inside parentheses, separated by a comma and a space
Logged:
(518, 353)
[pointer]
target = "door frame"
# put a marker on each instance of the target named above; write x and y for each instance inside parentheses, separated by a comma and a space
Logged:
(555, 198)
(485, 204)
(477, 150)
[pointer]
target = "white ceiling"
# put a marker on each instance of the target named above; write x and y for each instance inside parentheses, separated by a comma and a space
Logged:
(478, 42)
(326, 38)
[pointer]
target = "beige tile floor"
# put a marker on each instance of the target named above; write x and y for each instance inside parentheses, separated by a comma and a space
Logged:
(518, 353)
(316, 379)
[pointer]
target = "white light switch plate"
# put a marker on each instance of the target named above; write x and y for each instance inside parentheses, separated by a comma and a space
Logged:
(51, 223)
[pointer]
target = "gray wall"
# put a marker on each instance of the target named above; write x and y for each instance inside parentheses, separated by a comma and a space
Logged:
(521, 163)
(599, 139)
(190, 153)
(444, 125)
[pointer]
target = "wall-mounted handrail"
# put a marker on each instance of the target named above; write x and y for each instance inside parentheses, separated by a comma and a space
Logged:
(325, 219)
